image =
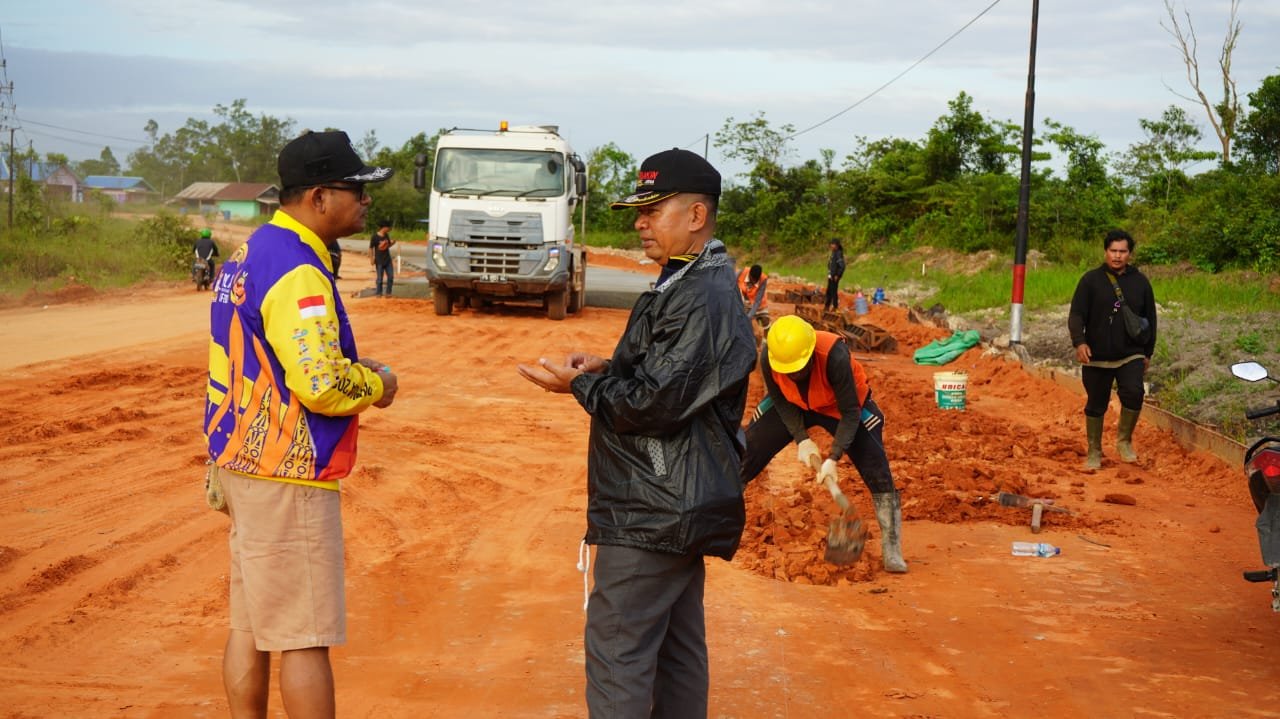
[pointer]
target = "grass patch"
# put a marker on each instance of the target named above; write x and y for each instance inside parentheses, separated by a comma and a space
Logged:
(98, 252)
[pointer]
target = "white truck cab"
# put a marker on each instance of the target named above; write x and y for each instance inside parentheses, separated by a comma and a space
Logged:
(502, 204)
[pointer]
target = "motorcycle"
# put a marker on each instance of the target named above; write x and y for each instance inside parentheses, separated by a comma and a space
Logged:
(200, 273)
(1262, 467)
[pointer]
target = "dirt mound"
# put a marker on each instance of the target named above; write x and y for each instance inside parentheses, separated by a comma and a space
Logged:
(464, 517)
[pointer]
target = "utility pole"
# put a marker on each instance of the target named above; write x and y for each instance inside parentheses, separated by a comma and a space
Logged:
(11, 173)
(1024, 191)
(7, 116)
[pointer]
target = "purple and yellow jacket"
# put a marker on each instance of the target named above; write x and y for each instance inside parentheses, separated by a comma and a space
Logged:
(284, 382)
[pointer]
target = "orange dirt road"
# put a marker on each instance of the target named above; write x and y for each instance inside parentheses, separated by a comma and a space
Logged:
(464, 515)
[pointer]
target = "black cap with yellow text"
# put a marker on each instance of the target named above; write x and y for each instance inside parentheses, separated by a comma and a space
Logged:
(669, 173)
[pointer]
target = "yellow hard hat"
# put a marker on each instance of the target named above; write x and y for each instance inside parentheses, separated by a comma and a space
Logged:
(791, 341)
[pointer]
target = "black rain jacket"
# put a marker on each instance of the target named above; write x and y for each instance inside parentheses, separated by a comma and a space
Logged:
(666, 416)
(1095, 316)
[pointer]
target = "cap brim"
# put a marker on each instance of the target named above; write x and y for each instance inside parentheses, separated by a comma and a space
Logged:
(370, 174)
(640, 199)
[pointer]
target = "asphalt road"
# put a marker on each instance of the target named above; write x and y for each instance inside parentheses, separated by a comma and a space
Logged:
(606, 286)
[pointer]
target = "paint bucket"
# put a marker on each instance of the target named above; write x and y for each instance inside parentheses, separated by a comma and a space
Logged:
(949, 388)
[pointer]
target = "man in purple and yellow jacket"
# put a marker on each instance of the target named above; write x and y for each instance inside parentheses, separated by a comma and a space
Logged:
(286, 386)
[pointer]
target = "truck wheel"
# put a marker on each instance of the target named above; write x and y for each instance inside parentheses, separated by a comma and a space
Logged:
(578, 298)
(557, 303)
(443, 300)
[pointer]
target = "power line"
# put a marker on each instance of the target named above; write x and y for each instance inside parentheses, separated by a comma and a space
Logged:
(895, 78)
(86, 143)
(82, 132)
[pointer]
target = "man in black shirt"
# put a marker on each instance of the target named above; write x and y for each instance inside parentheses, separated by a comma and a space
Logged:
(207, 249)
(1108, 353)
(380, 252)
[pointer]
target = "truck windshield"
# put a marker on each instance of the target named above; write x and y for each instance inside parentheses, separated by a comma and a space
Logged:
(516, 173)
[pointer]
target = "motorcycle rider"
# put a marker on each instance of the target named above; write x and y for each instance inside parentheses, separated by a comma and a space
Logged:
(206, 249)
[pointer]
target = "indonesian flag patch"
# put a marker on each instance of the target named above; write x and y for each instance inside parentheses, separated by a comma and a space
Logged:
(312, 306)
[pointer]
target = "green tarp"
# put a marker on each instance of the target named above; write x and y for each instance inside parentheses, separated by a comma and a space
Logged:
(939, 352)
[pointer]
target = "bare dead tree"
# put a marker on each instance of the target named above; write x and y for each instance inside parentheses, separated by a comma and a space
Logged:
(1223, 115)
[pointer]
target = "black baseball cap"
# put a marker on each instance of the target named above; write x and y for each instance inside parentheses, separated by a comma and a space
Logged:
(669, 173)
(315, 158)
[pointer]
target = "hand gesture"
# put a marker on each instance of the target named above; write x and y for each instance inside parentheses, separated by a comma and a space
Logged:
(550, 376)
(586, 362)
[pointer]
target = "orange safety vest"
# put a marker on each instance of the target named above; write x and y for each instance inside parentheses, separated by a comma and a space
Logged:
(822, 398)
(749, 291)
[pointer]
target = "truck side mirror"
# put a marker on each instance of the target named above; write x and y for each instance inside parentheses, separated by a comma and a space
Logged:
(419, 171)
(580, 183)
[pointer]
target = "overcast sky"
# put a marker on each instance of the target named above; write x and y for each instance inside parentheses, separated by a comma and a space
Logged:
(645, 75)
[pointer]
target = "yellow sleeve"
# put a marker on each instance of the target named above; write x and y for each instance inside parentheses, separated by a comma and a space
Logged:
(301, 325)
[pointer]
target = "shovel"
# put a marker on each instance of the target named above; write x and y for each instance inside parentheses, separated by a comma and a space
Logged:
(846, 535)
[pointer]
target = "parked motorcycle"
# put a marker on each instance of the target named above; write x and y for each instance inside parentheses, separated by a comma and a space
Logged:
(200, 273)
(1262, 467)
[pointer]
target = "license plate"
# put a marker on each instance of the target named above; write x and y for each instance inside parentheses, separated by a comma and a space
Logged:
(493, 278)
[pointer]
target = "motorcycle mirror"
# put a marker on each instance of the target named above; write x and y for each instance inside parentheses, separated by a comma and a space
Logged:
(1249, 371)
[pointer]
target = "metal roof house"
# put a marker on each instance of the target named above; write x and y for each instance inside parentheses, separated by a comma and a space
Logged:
(242, 200)
(58, 180)
(123, 190)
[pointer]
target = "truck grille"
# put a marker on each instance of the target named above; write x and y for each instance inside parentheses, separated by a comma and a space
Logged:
(495, 262)
(496, 245)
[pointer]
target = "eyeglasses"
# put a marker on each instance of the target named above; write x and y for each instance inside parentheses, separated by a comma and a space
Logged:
(357, 190)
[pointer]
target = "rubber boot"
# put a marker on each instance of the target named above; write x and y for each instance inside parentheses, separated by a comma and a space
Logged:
(1093, 427)
(889, 515)
(1124, 434)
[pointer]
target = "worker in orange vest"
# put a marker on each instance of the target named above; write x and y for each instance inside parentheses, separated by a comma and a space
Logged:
(752, 282)
(813, 380)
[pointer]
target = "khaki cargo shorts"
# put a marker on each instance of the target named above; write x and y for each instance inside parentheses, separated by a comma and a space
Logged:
(286, 563)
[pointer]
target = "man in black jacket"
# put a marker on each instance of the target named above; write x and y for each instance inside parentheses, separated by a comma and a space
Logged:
(835, 270)
(1106, 349)
(665, 450)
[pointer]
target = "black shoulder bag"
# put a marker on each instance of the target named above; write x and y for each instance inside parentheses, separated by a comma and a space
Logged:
(1134, 326)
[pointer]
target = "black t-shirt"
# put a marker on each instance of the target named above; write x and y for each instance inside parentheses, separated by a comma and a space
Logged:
(206, 248)
(381, 253)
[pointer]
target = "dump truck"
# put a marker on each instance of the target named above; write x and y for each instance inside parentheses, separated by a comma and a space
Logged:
(501, 219)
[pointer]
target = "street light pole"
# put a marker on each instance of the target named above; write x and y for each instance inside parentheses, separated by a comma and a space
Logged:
(1024, 189)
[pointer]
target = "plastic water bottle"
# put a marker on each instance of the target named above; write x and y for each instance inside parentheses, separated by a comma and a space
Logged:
(1035, 549)
(860, 303)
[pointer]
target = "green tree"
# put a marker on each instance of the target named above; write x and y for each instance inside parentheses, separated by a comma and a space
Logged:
(755, 212)
(756, 144)
(1259, 136)
(1088, 197)
(368, 145)
(1155, 165)
(398, 199)
(106, 164)
(239, 147)
(611, 174)
(963, 142)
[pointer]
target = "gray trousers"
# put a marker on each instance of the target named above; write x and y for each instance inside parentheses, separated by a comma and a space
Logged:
(646, 638)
